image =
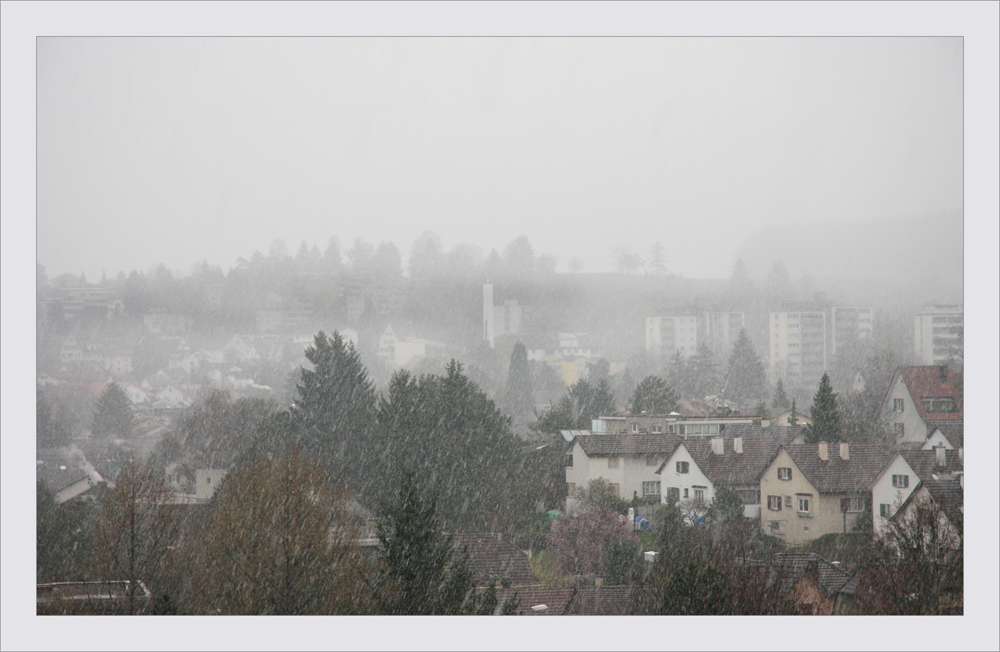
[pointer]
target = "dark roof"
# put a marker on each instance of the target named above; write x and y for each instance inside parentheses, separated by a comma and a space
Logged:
(933, 382)
(732, 468)
(779, 434)
(492, 558)
(837, 475)
(947, 492)
(924, 463)
(604, 600)
(607, 445)
(953, 431)
(791, 566)
(58, 469)
(558, 601)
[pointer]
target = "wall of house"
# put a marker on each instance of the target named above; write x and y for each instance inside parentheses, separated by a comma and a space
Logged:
(883, 493)
(807, 592)
(686, 483)
(791, 526)
(935, 440)
(207, 481)
(629, 475)
(914, 429)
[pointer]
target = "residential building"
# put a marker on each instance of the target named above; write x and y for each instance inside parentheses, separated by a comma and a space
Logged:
(719, 331)
(798, 347)
(920, 399)
(493, 559)
(945, 434)
(850, 324)
(627, 462)
(905, 473)
(785, 419)
(938, 334)
(698, 468)
(499, 320)
(207, 482)
(813, 585)
(667, 335)
(671, 424)
(809, 490)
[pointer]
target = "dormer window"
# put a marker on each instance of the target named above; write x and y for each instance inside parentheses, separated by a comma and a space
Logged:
(941, 405)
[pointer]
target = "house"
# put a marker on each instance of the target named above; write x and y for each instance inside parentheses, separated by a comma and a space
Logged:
(938, 334)
(944, 434)
(65, 472)
(813, 585)
(540, 601)
(207, 482)
(494, 559)
(627, 462)
(785, 419)
(920, 398)
(809, 490)
(671, 424)
(697, 468)
(904, 474)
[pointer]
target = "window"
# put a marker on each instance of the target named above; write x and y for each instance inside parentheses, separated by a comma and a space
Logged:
(897, 405)
(774, 504)
(898, 429)
(685, 492)
(749, 496)
(784, 473)
(683, 467)
(884, 510)
(699, 495)
(788, 502)
(901, 481)
(569, 460)
(803, 504)
(650, 488)
(855, 504)
(612, 462)
(673, 495)
(657, 429)
(635, 427)
(939, 405)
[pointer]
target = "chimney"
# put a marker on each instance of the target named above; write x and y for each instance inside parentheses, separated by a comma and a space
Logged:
(598, 581)
(939, 453)
(845, 453)
(823, 453)
(718, 446)
(765, 423)
(738, 445)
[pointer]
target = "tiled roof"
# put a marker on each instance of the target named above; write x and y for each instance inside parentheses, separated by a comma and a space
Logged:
(836, 475)
(58, 468)
(924, 463)
(927, 382)
(953, 431)
(779, 434)
(557, 601)
(947, 492)
(605, 600)
(732, 468)
(607, 445)
(791, 567)
(491, 558)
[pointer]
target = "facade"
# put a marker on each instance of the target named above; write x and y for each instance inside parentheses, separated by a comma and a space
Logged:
(904, 474)
(628, 462)
(938, 334)
(207, 482)
(719, 331)
(698, 468)
(499, 320)
(798, 347)
(850, 324)
(671, 424)
(921, 399)
(809, 490)
(666, 335)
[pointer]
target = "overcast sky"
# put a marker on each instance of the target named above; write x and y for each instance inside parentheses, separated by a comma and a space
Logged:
(176, 150)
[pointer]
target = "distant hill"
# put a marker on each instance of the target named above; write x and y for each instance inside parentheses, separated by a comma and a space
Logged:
(920, 252)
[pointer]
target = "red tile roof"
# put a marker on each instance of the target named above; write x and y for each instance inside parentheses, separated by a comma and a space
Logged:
(953, 431)
(492, 558)
(933, 382)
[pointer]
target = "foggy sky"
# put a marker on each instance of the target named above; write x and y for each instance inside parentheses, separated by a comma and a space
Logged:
(176, 150)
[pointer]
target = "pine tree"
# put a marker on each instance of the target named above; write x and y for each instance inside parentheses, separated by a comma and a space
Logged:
(519, 389)
(761, 410)
(654, 396)
(113, 416)
(48, 434)
(825, 415)
(780, 401)
(679, 374)
(746, 379)
(704, 372)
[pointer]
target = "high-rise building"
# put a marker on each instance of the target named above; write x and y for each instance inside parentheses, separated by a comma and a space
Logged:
(798, 347)
(938, 334)
(719, 330)
(665, 335)
(499, 320)
(850, 324)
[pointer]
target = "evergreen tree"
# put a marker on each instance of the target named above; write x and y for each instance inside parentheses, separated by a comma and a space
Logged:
(825, 415)
(336, 406)
(780, 401)
(560, 417)
(704, 372)
(793, 418)
(601, 370)
(679, 374)
(47, 432)
(654, 396)
(761, 410)
(113, 417)
(603, 401)
(519, 389)
(746, 379)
